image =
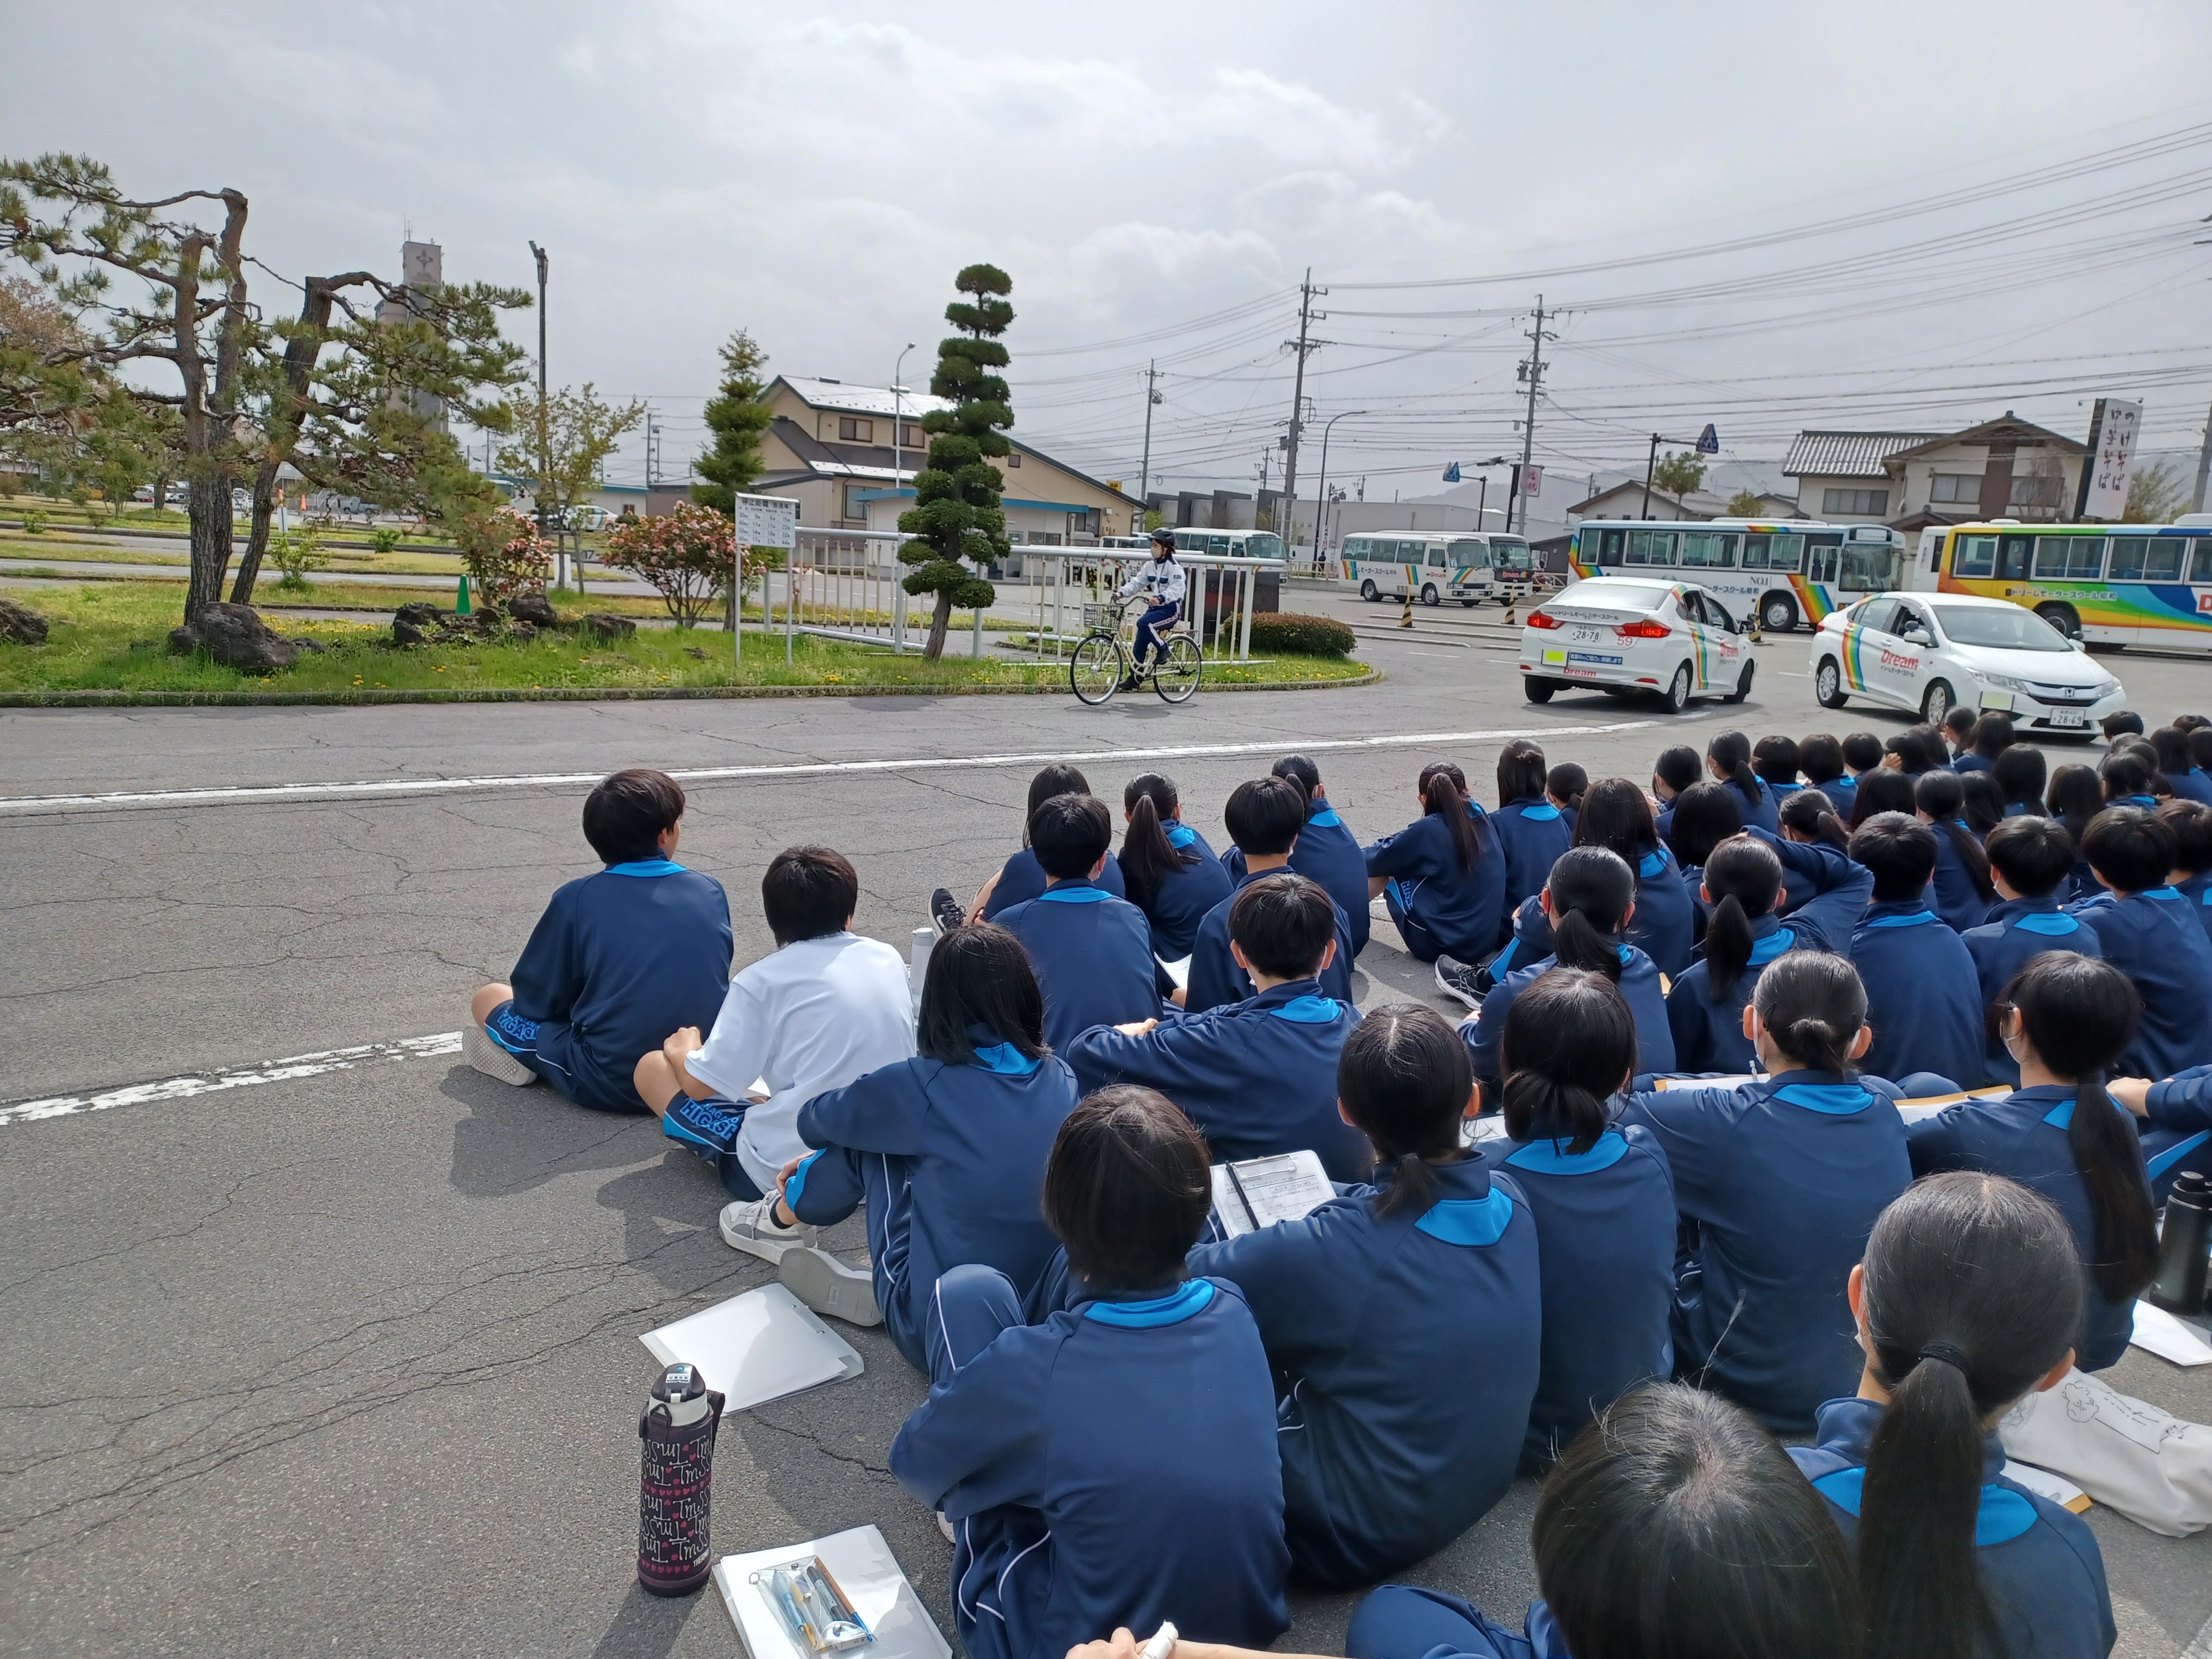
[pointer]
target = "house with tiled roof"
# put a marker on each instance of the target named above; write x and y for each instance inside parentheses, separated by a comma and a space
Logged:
(2007, 468)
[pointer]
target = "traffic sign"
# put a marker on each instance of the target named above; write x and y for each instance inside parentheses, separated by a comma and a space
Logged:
(1708, 441)
(1451, 473)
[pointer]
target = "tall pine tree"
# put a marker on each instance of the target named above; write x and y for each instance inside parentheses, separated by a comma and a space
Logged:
(956, 512)
(735, 417)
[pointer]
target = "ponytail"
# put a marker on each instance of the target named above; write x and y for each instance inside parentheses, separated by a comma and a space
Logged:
(1576, 943)
(1443, 794)
(1811, 1005)
(1810, 813)
(1592, 891)
(1941, 795)
(1730, 755)
(1569, 1045)
(1148, 857)
(1917, 1512)
(1404, 1078)
(1727, 946)
(1745, 878)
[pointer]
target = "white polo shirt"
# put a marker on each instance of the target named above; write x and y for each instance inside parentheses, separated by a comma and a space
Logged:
(811, 1016)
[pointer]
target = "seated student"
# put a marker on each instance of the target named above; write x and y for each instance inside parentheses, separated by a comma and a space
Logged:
(616, 957)
(2149, 932)
(1021, 878)
(1988, 737)
(2076, 796)
(2126, 723)
(1916, 750)
(2021, 775)
(1957, 729)
(2184, 776)
(1167, 869)
(1615, 815)
(1326, 850)
(1821, 759)
(823, 1008)
(1776, 760)
(1925, 1001)
(2200, 744)
(1114, 1463)
(2031, 862)
(1531, 830)
(2127, 780)
(1588, 901)
(1886, 791)
(1259, 1076)
(1783, 1178)
(1727, 757)
(2191, 824)
(1743, 884)
(1675, 770)
(947, 1150)
(2065, 1020)
(1564, 785)
(1602, 1199)
(1862, 753)
(1962, 894)
(1967, 1300)
(1984, 802)
(1443, 877)
(1401, 1320)
(1706, 815)
(1265, 818)
(1091, 952)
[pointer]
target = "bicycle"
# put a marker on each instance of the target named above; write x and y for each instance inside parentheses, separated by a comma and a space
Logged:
(1103, 661)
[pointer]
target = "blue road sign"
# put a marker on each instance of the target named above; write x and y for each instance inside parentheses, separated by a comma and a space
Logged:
(1451, 473)
(1708, 441)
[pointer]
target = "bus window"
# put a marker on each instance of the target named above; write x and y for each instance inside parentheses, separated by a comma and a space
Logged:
(2162, 561)
(1651, 547)
(1264, 544)
(1868, 568)
(1755, 552)
(1472, 554)
(1355, 547)
(1708, 550)
(1218, 544)
(1437, 558)
(1820, 560)
(1609, 543)
(2128, 552)
(1787, 553)
(2012, 554)
(2076, 557)
(1974, 556)
(2200, 560)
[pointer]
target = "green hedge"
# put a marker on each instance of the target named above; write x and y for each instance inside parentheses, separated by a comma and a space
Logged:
(1301, 636)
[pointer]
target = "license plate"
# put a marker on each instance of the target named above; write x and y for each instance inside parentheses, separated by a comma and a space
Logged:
(1587, 636)
(2069, 717)
(2000, 701)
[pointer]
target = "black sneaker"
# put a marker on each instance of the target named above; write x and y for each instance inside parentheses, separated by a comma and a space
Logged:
(944, 912)
(1136, 682)
(1459, 980)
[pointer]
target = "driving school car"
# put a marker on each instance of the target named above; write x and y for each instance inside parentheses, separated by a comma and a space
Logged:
(1622, 636)
(1930, 652)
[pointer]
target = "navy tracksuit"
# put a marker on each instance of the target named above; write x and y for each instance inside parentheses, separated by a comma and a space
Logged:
(950, 1160)
(1533, 833)
(619, 960)
(1439, 908)
(1215, 978)
(1824, 893)
(1404, 1621)
(1968, 761)
(2039, 1561)
(2154, 939)
(2018, 930)
(1923, 999)
(1842, 794)
(1782, 1178)
(2192, 784)
(1640, 985)
(2197, 893)
(1092, 955)
(2022, 1137)
(1114, 1464)
(1406, 1351)
(1257, 1077)
(2177, 1128)
(1326, 852)
(1605, 1235)
(1021, 878)
(1662, 926)
(1183, 897)
(1955, 898)
(1765, 812)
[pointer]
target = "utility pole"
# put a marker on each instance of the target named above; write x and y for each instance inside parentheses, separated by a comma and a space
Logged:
(545, 415)
(1303, 345)
(2204, 468)
(1532, 370)
(1145, 472)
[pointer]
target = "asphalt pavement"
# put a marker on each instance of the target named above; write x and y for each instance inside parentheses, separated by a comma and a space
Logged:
(341, 1355)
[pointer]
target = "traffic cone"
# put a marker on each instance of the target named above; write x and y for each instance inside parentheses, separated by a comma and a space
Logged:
(461, 604)
(1753, 634)
(1406, 617)
(1510, 604)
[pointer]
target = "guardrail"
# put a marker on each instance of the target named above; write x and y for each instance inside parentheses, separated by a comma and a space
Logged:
(1217, 607)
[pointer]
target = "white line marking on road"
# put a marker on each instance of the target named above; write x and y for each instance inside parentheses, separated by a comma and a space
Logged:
(231, 1077)
(21, 804)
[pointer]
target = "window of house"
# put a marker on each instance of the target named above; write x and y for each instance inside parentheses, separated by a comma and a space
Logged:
(1013, 458)
(910, 436)
(1868, 503)
(854, 507)
(853, 430)
(1974, 556)
(1957, 487)
(2036, 489)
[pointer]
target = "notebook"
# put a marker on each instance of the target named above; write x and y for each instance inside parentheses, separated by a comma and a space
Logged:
(1258, 1192)
(756, 1347)
(865, 1570)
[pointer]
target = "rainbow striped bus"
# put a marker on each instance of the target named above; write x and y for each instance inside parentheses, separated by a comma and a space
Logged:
(1785, 574)
(2105, 584)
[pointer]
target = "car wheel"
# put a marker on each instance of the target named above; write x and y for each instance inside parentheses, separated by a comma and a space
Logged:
(1777, 613)
(1742, 685)
(1538, 690)
(1367, 593)
(1677, 695)
(2063, 618)
(1828, 684)
(1936, 703)
(1429, 593)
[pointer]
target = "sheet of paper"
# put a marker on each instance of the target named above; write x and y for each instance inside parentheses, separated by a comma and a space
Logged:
(1178, 970)
(2043, 1483)
(2159, 1333)
(756, 1347)
(1266, 1190)
(868, 1573)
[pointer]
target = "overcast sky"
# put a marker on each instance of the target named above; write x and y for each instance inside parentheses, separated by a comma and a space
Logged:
(1157, 177)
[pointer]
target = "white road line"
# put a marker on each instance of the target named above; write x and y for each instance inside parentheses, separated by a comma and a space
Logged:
(236, 1077)
(19, 805)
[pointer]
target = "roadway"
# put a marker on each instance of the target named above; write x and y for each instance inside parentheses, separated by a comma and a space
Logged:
(341, 1355)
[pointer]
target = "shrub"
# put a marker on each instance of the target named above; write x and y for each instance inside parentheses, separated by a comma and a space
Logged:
(384, 539)
(34, 522)
(1287, 634)
(502, 553)
(686, 554)
(295, 552)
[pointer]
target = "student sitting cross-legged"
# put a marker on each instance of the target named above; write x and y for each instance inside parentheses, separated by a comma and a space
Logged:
(1265, 818)
(1783, 1178)
(1960, 892)
(2032, 867)
(947, 1150)
(2146, 931)
(1168, 871)
(1924, 1000)
(1530, 829)
(1258, 1076)
(1115, 1462)
(1443, 877)
(1602, 1198)
(2066, 1019)
(1968, 1300)
(1401, 1320)
(1091, 952)
(616, 957)
(1327, 851)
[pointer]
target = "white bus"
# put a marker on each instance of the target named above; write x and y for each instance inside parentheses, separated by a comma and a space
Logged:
(1787, 575)
(1432, 568)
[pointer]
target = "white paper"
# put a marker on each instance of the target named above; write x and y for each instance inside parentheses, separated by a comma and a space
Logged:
(866, 1570)
(2043, 1483)
(1178, 970)
(1280, 1189)
(756, 1347)
(2159, 1333)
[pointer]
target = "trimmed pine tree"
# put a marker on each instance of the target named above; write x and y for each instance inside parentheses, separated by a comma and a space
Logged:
(957, 514)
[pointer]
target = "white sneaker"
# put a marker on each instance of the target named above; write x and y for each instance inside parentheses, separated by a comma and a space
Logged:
(479, 1051)
(946, 1526)
(828, 1286)
(749, 1224)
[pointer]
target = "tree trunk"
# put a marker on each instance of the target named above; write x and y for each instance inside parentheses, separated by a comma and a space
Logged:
(257, 538)
(939, 620)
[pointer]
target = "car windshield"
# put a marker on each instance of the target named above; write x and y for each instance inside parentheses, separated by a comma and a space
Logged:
(2010, 629)
(1629, 596)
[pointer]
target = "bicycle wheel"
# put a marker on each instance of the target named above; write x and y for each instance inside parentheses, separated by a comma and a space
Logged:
(1180, 666)
(1094, 672)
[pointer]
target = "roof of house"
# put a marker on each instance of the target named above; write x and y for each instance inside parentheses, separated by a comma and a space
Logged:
(1848, 454)
(1697, 501)
(2007, 428)
(819, 393)
(873, 462)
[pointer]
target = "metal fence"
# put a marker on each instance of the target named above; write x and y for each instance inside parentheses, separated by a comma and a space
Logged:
(1077, 583)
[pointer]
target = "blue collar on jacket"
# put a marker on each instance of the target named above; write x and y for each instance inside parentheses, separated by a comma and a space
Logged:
(645, 867)
(1180, 835)
(1552, 1157)
(1846, 1430)
(1832, 1094)
(1072, 892)
(2009, 910)
(1651, 865)
(1533, 807)
(2164, 895)
(1898, 912)
(1187, 1299)
(2148, 803)
(2059, 1097)
(1769, 939)
(1000, 1057)
(1476, 1214)
(1299, 1001)
(1327, 818)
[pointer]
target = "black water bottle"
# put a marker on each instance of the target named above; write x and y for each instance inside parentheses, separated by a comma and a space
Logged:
(2182, 1243)
(678, 1427)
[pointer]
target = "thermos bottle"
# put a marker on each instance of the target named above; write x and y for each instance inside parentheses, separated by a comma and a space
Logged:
(2181, 1243)
(677, 1428)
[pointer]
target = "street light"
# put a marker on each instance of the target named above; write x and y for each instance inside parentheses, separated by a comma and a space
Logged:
(898, 452)
(544, 462)
(1320, 490)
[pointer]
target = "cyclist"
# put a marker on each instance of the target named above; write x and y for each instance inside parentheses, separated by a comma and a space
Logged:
(1161, 582)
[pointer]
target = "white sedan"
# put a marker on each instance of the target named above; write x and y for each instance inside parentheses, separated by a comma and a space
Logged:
(1623, 635)
(1930, 652)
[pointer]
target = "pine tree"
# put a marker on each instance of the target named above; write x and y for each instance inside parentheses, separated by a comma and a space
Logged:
(737, 417)
(957, 512)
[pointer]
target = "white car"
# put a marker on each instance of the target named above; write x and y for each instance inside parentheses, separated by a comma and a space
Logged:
(1623, 635)
(1930, 652)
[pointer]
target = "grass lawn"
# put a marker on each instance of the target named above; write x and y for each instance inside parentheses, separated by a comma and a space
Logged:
(113, 636)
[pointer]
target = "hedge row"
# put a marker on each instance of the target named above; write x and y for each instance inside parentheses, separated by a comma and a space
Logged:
(1291, 634)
